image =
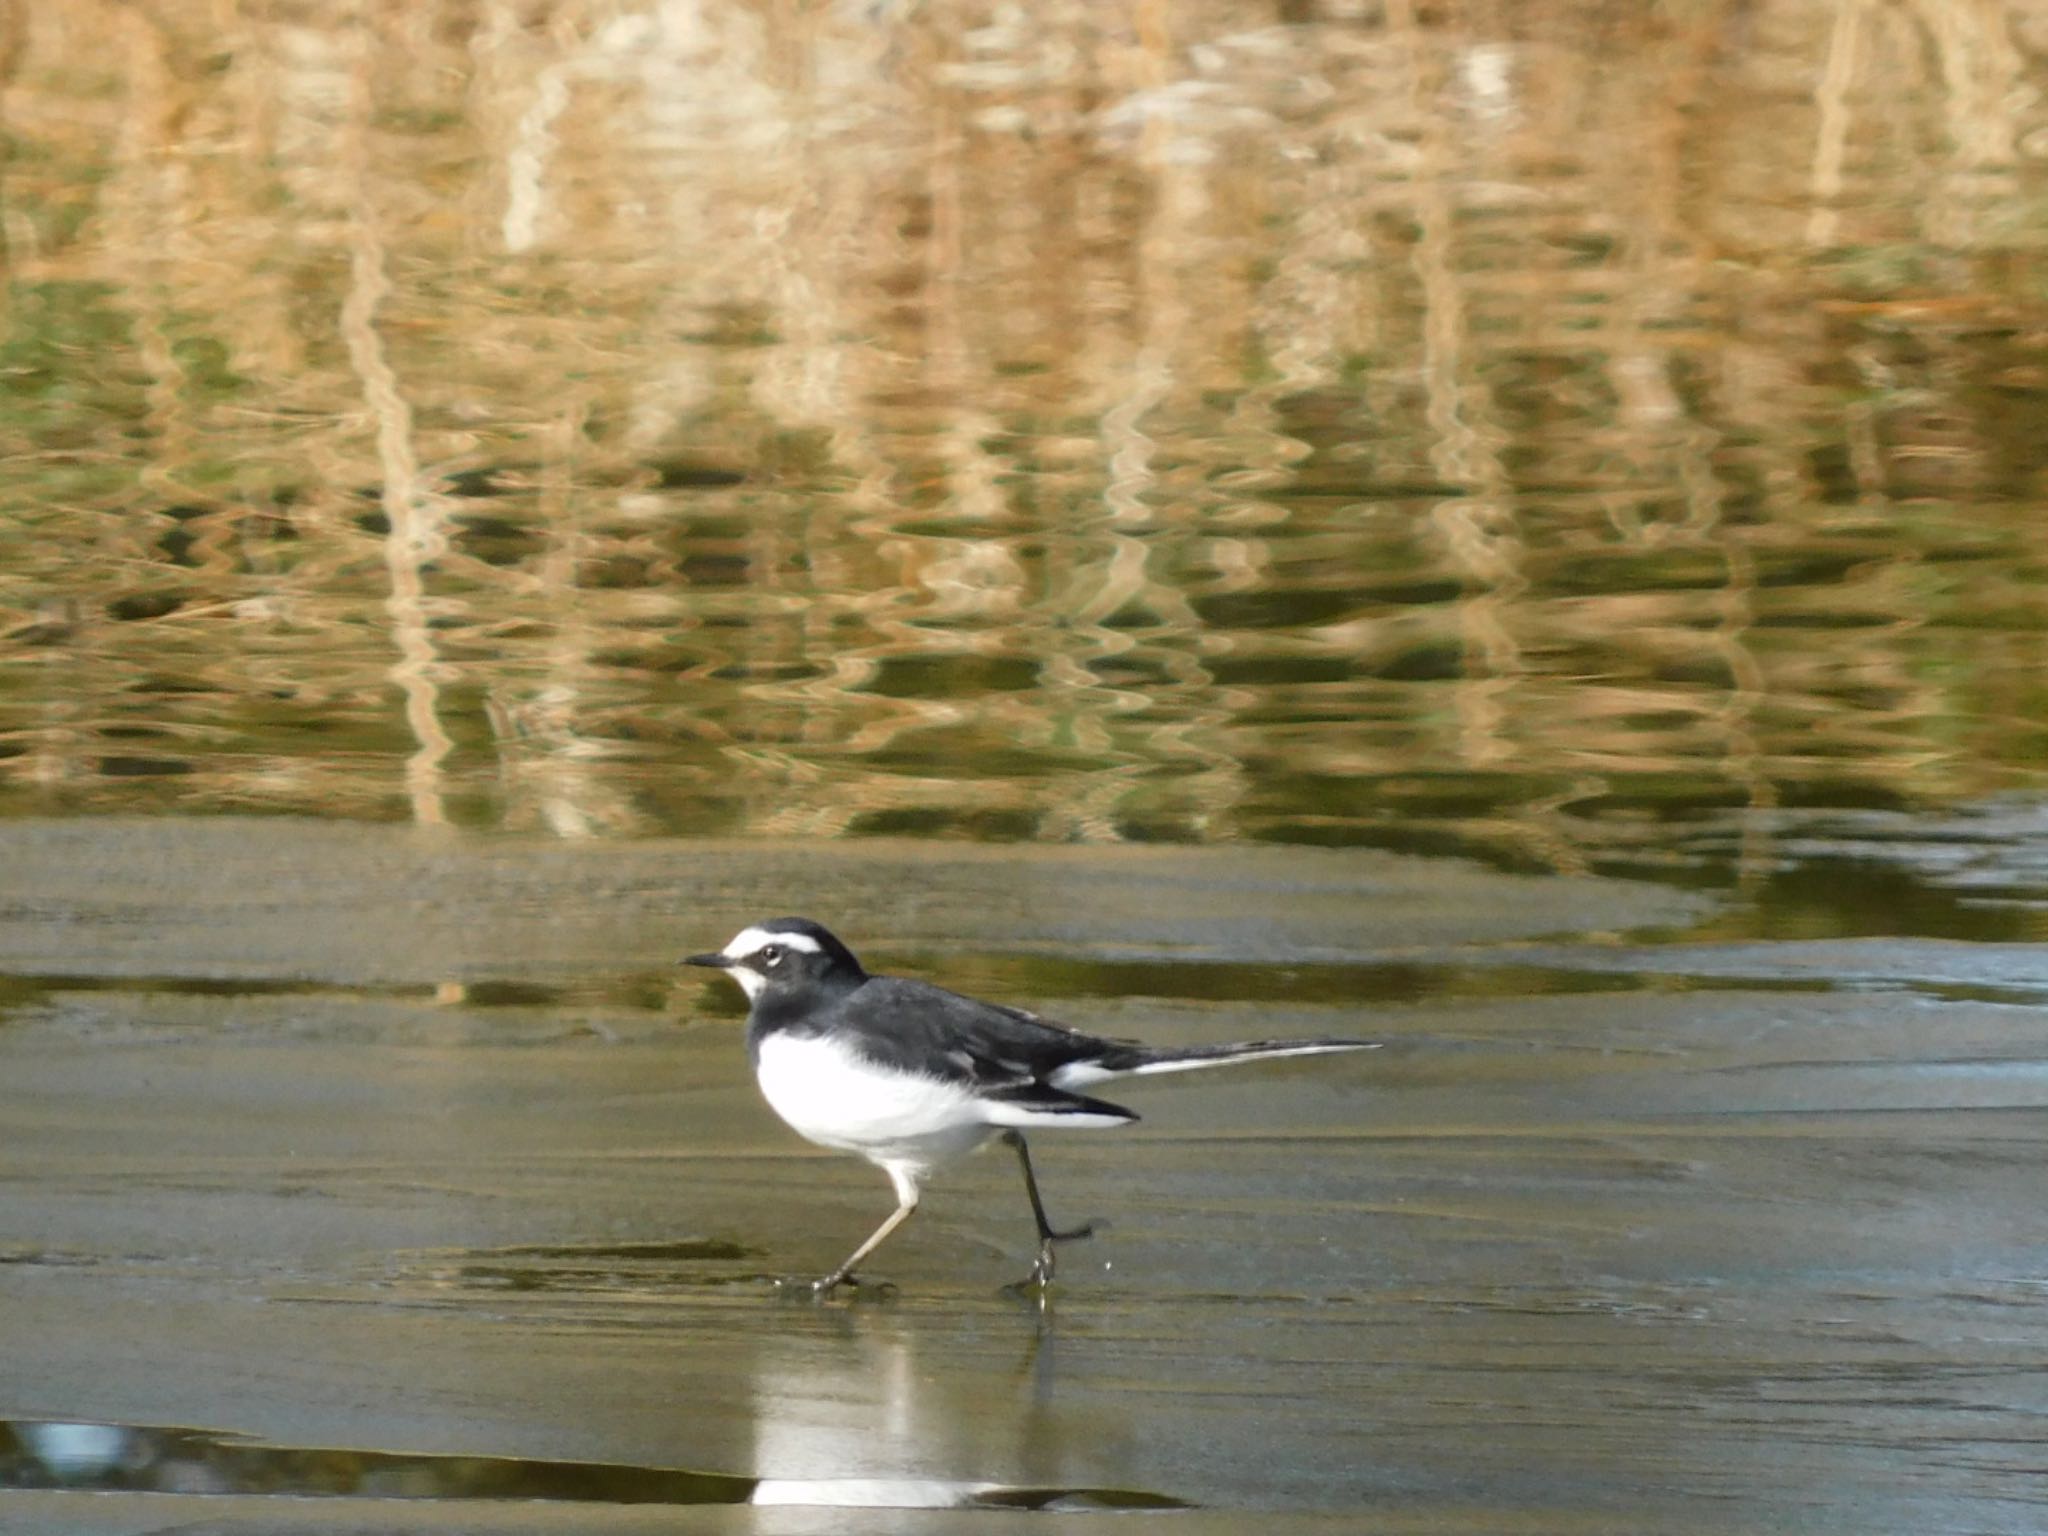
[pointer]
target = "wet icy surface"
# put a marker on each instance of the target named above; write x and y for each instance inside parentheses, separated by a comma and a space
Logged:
(345, 1161)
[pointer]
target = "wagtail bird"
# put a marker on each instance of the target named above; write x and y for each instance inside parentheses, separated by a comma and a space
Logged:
(911, 1076)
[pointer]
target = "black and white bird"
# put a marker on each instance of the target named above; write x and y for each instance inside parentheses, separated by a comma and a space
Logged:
(911, 1076)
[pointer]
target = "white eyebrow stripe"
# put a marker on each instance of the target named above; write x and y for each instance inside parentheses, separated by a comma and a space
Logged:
(749, 940)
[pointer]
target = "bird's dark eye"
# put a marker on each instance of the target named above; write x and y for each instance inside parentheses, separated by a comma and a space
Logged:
(771, 954)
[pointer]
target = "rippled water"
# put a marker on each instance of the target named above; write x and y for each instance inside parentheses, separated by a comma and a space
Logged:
(1350, 424)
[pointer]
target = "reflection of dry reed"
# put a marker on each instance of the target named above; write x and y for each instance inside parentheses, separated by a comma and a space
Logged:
(415, 534)
(1120, 423)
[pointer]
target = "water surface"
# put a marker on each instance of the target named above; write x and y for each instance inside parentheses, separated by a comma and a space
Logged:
(1331, 423)
(1653, 1236)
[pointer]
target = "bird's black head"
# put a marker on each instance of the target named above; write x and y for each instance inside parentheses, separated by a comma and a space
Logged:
(785, 957)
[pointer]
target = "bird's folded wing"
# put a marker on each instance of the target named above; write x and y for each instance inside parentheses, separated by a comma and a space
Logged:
(916, 1027)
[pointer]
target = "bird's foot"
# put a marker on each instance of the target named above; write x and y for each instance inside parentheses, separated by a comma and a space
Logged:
(797, 1288)
(1043, 1270)
(1036, 1286)
(1040, 1277)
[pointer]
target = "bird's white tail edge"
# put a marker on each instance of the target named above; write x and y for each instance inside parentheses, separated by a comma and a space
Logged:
(1226, 1055)
(1024, 1116)
(1081, 1073)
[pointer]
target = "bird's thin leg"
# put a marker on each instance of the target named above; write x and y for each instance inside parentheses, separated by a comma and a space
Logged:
(844, 1272)
(1041, 1272)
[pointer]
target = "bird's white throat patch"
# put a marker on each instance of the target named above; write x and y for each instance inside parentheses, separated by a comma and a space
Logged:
(751, 981)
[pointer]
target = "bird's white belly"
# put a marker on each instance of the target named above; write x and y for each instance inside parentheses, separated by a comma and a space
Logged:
(837, 1098)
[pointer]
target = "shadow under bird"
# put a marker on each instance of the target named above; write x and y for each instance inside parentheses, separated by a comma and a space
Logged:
(912, 1077)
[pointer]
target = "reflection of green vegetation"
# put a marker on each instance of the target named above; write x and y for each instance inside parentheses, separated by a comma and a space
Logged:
(67, 370)
(939, 676)
(1880, 271)
(980, 826)
(833, 459)
(203, 366)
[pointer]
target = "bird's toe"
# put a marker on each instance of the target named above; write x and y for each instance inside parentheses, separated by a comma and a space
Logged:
(804, 1287)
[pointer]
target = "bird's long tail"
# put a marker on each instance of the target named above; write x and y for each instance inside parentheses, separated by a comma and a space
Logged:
(1143, 1060)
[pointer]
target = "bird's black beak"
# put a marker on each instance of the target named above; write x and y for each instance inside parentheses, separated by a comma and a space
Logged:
(718, 960)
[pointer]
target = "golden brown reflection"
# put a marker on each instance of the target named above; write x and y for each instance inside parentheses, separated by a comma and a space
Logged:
(1311, 423)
